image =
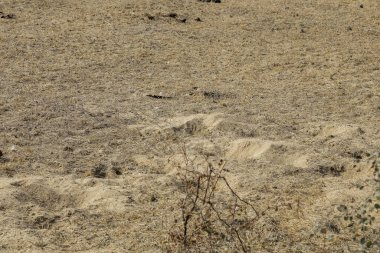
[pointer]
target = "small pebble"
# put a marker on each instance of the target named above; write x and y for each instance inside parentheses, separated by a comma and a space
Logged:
(8, 16)
(172, 15)
(153, 199)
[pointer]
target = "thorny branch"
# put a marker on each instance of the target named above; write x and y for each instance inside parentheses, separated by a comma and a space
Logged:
(206, 209)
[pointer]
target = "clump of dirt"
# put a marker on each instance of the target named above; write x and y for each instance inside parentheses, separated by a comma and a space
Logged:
(99, 171)
(7, 16)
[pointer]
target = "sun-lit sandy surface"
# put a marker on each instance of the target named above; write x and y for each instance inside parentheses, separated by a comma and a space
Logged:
(287, 92)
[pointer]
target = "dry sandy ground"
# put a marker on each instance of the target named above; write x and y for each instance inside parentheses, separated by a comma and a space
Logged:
(287, 92)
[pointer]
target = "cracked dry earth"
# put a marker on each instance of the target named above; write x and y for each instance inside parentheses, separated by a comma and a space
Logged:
(98, 98)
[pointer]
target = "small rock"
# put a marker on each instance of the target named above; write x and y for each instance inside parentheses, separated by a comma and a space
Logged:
(130, 199)
(212, 94)
(210, 1)
(172, 15)
(198, 19)
(361, 5)
(153, 198)
(68, 149)
(8, 16)
(99, 171)
(17, 183)
(150, 17)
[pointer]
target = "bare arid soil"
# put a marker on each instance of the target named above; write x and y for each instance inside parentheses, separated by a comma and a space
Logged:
(100, 99)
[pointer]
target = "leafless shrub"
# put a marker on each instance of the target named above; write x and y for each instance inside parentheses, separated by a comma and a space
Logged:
(213, 217)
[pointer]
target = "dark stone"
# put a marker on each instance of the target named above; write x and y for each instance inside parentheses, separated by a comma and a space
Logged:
(99, 171)
(153, 198)
(210, 1)
(172, 15)
(331, 170)
(150, 17)
(158, 96)
(68, 149)
(9, 16)
(212, 94)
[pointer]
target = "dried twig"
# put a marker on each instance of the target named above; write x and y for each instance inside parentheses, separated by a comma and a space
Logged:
(210, 216)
